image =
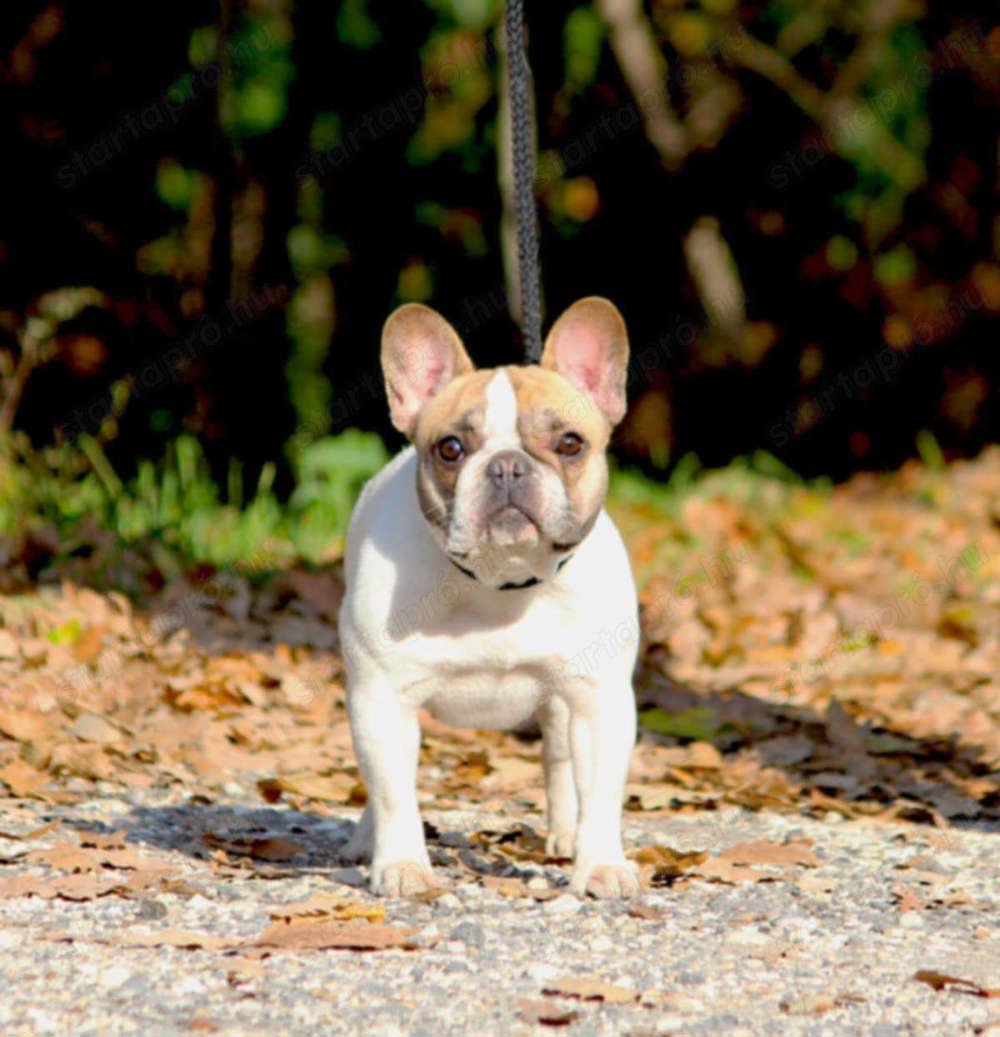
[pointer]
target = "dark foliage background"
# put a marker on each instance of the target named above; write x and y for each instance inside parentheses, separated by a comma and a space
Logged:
(793, 204)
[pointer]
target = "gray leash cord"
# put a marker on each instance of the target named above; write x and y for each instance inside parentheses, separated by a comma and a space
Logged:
(523, 154)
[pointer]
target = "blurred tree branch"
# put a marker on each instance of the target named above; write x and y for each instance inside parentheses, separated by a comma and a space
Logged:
(644, 68)
(841, 116)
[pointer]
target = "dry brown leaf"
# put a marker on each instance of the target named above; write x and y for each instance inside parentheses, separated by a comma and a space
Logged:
(65, 887)
(664, 858)
(815, 1004)
(649, 797)
(716, 869)
(89, 727)
(267, 849)
(779, 854)
(516, 889)
(694, 756)
(19, 886)
(104, 840)
(941, 981)
(274, 849)
(328, 788)
(548, 1013)
(23, 780)
(89, 644)
(243, 970)
(353, 935)
(185, 939)
(65, 856)
(25, 725)
(522, 843)
(589, 988)
(199, 1025)
(647, 912)
(907, 900)
(816, 883)
(660, 865)
(324, 906)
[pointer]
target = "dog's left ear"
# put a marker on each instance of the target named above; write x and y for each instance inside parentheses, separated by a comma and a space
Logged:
(588, 346)
(421, 354)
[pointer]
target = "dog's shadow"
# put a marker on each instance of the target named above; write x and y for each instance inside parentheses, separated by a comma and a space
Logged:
(263, 842)
(270, 843)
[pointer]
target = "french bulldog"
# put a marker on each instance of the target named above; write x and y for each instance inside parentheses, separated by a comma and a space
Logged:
(487, 585)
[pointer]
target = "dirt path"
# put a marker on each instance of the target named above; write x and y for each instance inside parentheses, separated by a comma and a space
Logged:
(820, 931)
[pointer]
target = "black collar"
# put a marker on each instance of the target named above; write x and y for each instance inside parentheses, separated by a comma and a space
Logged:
(507, 586)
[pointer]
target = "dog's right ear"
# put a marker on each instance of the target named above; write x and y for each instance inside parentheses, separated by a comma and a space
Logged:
(421, 354)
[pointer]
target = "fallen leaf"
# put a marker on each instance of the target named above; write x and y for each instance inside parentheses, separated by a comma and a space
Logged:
(271, 848)
(589, 988)
(715, 869)
(64, 887)
(353, 935)
(661, 864)
(326, 906)
(104, 840)
(89, 727)
(202, 1026)
(25, 725)
(66, 856)
(817, 883)
(185, 939)
(517, 889)
(815, 1004)
(808, 1004)
(647, 912)
(327, 788)
(22, 779)
(941, 981)
(548, 1013)
(907, 900)
(275, 849)
(778, 854)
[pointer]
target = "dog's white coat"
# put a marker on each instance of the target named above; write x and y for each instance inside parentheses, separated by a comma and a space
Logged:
(416, 633)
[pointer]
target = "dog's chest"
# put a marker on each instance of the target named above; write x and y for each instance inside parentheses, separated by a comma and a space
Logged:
(485, 699)
(471, 669)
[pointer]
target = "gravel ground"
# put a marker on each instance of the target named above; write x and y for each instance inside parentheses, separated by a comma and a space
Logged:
(761, 958)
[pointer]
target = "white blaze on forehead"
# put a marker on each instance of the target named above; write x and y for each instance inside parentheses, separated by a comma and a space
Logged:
(500, 419)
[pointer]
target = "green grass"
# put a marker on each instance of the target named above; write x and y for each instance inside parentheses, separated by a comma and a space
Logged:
(174, 508)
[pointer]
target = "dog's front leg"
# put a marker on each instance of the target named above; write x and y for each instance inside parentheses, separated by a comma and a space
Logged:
(386, 736)
(602, 734)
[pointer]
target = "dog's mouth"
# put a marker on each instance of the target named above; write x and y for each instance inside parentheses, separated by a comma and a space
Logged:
(511, 525)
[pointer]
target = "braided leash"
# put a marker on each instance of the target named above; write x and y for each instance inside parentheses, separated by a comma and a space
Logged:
(523, 152)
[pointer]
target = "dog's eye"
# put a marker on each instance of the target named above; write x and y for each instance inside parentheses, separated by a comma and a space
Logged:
(569, 445)
(450, 449)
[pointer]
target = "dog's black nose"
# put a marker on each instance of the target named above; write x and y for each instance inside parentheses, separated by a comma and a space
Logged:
(507, 469)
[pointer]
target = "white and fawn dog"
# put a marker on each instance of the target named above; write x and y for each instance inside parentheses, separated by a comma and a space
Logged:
(487, 585)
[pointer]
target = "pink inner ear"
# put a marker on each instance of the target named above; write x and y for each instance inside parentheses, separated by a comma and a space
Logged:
(581, 359)
(431, 375)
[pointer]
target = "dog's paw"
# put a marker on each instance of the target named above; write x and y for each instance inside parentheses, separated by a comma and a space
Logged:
(401, 879)
(559, 844)
(605, 880)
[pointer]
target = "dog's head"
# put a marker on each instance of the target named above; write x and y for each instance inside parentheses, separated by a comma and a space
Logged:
(511, 460)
